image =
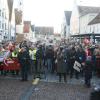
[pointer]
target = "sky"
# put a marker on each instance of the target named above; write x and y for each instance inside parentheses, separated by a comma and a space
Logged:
(51, 12)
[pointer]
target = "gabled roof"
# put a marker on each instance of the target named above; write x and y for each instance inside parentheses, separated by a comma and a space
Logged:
(95, 20)
(68, 16)
(83, 10)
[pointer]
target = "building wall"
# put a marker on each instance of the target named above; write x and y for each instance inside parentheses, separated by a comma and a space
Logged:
(4, 17)
(74, 22)
(19, 10)
(63, 25)
(3, 20)
(13, 25)
(83, 24)
(39, 30)
(67, 30)
(27, 30)
(95, 28)
(84, 20)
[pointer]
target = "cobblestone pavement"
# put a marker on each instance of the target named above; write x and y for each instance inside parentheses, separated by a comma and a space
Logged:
(48, 88)
(60, 91)
(11, 89)
(80, 81)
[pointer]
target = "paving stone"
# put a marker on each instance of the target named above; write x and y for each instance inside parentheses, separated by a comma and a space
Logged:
(60, 91)
(48, 89)
(12, 89)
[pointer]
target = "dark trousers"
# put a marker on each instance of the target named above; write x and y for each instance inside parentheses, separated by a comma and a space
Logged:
(24, 72)
(72, 71)
(33, 66)
(60, 77)
(87, 82)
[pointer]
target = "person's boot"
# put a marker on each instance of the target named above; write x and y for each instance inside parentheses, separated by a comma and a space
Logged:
(59, 78)
(65, 80)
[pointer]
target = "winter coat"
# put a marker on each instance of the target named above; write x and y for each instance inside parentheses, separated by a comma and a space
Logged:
(24, 60)
(61, 64)
(80, 56)
(72, 58)
(39, 54)
(49, 54)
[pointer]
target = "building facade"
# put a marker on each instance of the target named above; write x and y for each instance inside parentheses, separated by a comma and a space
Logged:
(44, 31)
(94, 25)
(7, 20)
(27, 31)
(19, 16)
(81, 17)
(66, 24)
(3, 20)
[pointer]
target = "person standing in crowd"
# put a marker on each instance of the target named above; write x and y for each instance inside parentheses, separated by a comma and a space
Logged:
(14, 56)
(88, 72)
(32, 52)
(61, 64)
(72, 61)
(31, 60)
(81, 58)
(24, 44)
(39, 58)
(49, 58)
(24, 58)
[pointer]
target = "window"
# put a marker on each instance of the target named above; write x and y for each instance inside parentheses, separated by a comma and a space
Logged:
(93, 28)
(97, 28)
(5, 26)
(0, 24)
(0, 12)
(90, 29)
(5, 16)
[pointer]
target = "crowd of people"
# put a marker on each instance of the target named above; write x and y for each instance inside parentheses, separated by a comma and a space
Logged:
(36, 58)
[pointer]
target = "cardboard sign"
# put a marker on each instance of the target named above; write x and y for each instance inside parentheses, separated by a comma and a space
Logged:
(20, 38)
(77, 66)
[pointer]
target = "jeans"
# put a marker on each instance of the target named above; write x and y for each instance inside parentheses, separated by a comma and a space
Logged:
(49, 64)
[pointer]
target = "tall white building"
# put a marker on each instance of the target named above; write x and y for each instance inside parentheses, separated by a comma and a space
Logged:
(7, 32)
(3, 20)
(81, 17)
